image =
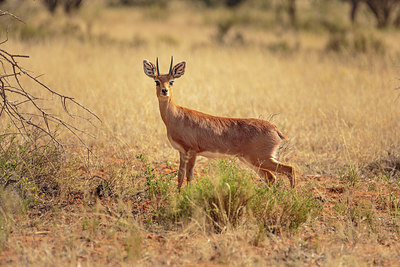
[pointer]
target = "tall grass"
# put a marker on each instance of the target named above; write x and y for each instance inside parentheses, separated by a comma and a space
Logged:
(329, 106)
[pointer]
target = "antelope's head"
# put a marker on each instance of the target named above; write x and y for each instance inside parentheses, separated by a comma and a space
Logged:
(164, 82)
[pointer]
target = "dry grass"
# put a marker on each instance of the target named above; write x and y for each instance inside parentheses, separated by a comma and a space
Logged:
(339, 110)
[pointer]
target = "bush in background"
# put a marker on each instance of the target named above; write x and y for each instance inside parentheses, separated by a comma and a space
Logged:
(355, 43)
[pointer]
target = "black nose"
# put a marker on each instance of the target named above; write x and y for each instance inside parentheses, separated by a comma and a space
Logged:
(164, 91)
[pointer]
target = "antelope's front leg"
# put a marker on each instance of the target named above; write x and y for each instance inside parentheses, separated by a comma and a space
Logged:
(190, 166)
(182, 169)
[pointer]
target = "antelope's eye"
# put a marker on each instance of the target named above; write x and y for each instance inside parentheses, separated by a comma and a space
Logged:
(171, 83)
(157, 83)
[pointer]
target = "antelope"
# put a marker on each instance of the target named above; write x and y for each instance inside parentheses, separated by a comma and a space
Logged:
(193, 133)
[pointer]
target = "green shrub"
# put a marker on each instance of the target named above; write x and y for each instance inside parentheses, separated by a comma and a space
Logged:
(30, 167)
(222, 199)
(156, 187)
(228, 198)
(280, 209)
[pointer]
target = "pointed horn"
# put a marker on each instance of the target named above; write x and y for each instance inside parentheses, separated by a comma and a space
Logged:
(158, 69)
(170, 66)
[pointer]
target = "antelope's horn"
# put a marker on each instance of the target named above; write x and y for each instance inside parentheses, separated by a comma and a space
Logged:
(158, 69)
(170, 66)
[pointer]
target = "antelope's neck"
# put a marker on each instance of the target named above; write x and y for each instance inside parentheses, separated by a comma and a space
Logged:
(168, 110)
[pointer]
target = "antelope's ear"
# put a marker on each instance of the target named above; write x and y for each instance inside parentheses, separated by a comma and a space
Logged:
(178, 70)
(149, 69)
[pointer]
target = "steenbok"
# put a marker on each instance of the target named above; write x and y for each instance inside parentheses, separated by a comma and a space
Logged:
(193, 133)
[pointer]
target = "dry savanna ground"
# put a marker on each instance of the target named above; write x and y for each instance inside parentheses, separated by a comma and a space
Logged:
(334, 97)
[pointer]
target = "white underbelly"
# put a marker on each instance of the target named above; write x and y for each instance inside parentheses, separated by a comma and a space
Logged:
(209, 154)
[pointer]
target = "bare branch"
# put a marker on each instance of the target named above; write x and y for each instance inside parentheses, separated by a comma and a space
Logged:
(6, 13)
(14, 96)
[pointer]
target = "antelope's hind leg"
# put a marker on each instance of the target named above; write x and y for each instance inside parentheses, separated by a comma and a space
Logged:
(268, 176)
(273, 165)
(271, 177)
(266, 167)
(264, 173)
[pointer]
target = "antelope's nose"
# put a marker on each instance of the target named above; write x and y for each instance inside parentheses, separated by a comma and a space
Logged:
(164, 91)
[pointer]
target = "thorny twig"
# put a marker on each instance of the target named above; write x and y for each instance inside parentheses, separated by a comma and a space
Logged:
(14, 96)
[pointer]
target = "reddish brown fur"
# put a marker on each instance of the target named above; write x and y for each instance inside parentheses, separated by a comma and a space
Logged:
(194, 133)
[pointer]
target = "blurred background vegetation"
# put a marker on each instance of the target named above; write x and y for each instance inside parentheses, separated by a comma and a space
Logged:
(385, 12)
(353, 26)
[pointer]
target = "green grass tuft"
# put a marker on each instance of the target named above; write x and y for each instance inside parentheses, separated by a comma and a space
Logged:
(228, 197)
